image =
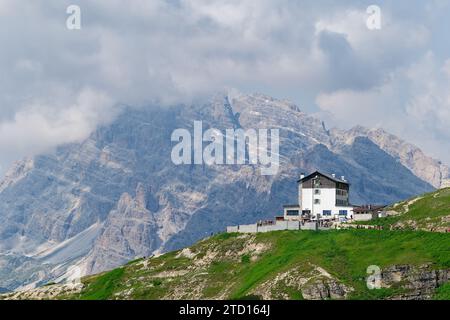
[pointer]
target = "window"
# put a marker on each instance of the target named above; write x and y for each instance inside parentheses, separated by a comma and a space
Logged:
(327, 212)
(316, 191)
(340, 202)
(342, 212)
(292, 213)
(341, 186)
(316, 201)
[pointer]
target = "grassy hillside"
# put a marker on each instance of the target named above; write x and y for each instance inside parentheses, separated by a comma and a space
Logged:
(284, 265)
(430, 212)
(333, 264)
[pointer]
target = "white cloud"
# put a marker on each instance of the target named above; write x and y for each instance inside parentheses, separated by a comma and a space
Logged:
(446, 68)
(140, 51)
(39, 126)
(413, 103)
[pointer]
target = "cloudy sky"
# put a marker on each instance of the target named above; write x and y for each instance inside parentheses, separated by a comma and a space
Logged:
(57, 84)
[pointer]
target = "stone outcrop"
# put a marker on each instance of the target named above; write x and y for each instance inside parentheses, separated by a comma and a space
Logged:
(325, 290)
(416, 282)
(43, 293)
(310, 282)
(128, 233)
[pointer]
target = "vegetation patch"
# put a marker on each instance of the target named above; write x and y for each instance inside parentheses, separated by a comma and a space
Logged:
(221, 268)
(430, 212)
(443, 292)
(104, 286)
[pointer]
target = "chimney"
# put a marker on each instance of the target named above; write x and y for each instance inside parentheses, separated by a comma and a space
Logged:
(333, 175)
(302, 175)
(343, 178)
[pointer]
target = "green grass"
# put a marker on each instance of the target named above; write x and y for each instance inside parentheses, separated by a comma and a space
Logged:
(443, 292)
(245, 258)
(427, 212)
(103, 286)
(49, 284)
(345, 254)
(134, 261)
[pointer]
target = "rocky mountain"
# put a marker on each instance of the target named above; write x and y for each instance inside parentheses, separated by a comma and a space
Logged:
(428, 169)
(117, 195)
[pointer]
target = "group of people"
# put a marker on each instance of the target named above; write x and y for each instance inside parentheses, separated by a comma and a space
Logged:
(265, 223)
(358, 226)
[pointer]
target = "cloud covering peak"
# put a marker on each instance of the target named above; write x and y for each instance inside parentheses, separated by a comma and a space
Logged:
(58, 84)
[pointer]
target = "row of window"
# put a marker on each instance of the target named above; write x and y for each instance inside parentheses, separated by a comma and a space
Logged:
(341, 192)
(340, 202)
(328, 212)
(292, 212)
(338, 192)
(324, 212)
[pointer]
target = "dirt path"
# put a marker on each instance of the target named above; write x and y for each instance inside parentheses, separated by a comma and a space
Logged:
(410, 203)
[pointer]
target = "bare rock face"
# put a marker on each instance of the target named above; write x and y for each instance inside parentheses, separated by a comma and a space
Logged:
(128, 233)
(417, 282)
(117, 195)
(18, 171)
(310, 281)
(428, 169)
(325, 290)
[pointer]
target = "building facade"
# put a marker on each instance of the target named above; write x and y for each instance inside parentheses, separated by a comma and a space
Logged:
(321, 197)
(368, 212)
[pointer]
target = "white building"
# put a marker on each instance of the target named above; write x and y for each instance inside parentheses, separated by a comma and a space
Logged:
(321, 197)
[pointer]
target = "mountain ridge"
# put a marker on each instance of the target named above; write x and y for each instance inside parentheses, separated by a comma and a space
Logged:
(428, 169)
(52, 199)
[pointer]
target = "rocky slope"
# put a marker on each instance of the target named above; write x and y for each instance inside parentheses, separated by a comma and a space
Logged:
(428, 169)
(278, 265)
(117, 195)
